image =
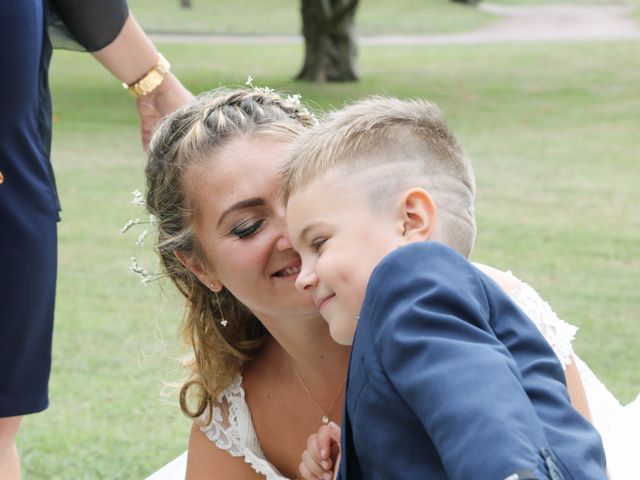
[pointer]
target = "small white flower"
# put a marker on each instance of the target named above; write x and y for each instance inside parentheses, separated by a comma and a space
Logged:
(264, 90)
(129, 224)
(223, 323)
(249, 81)
(138, 199)
(135, 266)
(141, 238)
(294, 100)
(145, 276)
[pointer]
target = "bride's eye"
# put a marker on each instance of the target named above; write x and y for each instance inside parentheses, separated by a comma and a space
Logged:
(316, 244)
(246, 229)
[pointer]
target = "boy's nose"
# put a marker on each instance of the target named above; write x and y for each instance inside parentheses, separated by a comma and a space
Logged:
(306, 280)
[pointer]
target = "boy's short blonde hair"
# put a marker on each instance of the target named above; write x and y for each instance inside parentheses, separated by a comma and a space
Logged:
(396, 145)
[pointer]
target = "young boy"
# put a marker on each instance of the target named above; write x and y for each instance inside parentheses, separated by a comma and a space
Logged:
(447, 377)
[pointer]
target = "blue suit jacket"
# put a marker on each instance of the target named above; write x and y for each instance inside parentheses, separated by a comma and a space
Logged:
(448, 379)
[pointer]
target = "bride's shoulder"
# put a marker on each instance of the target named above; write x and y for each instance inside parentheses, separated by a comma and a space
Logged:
(230, 427)
(224, 406)
(558, 333)
(223, 422)
(505, 280)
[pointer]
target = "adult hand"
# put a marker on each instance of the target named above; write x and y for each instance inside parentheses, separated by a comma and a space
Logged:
(167, 97)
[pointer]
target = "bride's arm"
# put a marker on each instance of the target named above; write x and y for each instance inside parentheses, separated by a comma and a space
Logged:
(575, 387)
(576, 390)
(205, 461)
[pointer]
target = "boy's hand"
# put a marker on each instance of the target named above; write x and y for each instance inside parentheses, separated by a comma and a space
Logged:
(322, 454)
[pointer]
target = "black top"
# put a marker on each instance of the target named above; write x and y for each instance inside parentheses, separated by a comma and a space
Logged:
(94, 24)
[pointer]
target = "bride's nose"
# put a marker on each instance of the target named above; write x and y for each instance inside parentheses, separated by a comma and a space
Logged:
(283, 242)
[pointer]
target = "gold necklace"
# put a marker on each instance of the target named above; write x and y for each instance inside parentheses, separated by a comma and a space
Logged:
(325, 416)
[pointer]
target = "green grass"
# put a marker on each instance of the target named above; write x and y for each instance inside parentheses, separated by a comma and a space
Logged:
(552, 130)
(283, 16)
(374, 17)
(635, 3)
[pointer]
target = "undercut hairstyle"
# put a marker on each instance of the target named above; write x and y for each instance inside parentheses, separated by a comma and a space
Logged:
(387, 146)
(220, 332)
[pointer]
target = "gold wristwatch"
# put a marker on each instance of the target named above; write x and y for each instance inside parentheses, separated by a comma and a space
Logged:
(151, 80)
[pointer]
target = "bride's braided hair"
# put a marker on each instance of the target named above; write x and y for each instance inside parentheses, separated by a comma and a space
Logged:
(185, 138)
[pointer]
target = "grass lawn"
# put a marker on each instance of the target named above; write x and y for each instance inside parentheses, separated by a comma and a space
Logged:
(283, 16)
(552, 130)
(634, 3)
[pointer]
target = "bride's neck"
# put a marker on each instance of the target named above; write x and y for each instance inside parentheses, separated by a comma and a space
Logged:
(307, 344)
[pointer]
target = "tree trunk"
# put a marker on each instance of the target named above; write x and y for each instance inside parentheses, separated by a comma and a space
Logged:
(185, 4)
(329, 40)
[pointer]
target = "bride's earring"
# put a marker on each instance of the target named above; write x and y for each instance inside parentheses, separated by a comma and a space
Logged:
(223, 321)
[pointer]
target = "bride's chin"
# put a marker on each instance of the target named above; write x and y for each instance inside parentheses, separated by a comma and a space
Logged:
(310, 311)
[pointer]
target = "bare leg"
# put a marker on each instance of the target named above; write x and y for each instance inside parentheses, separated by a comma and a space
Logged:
(9, 460)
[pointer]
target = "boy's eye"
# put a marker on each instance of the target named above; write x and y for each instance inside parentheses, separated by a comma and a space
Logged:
(316, 244)
(246, 229)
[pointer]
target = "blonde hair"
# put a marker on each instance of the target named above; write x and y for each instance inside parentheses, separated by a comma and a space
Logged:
(396, 144)
(188, 137)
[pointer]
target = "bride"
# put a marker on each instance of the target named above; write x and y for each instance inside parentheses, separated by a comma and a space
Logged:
(265, 372)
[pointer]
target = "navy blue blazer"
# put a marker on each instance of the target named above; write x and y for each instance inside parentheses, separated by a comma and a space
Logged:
(448, 379)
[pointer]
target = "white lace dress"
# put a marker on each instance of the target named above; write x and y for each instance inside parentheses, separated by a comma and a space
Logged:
(231, 428)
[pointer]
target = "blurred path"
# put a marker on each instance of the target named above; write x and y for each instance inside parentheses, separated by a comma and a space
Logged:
(518, 24)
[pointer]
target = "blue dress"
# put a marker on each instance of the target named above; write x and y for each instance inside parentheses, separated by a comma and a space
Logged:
(28, 210)
(28, 200)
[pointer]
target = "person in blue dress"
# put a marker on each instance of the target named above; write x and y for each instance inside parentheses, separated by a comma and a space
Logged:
(29, 206)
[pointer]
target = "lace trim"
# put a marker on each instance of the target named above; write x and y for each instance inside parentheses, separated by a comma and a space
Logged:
(557, 332)
(602, 403)
(231, 419)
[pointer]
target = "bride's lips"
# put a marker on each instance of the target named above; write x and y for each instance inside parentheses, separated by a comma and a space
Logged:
(293, 269)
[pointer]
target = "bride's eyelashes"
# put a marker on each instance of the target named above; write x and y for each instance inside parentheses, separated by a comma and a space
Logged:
(246, 229)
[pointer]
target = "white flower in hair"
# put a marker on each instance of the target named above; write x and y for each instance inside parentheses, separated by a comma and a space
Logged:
(294, 100)
(145, 276)
(141, 237)
(129, 224)
(138, 198)
(135, 267)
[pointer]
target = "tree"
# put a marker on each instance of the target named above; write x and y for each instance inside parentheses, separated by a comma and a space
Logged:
(329, 40)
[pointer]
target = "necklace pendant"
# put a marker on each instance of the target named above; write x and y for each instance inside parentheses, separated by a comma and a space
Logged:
(325, 420)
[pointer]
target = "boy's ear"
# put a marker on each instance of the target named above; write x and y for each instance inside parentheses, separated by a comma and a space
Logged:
(191, 262)
(419, 215)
